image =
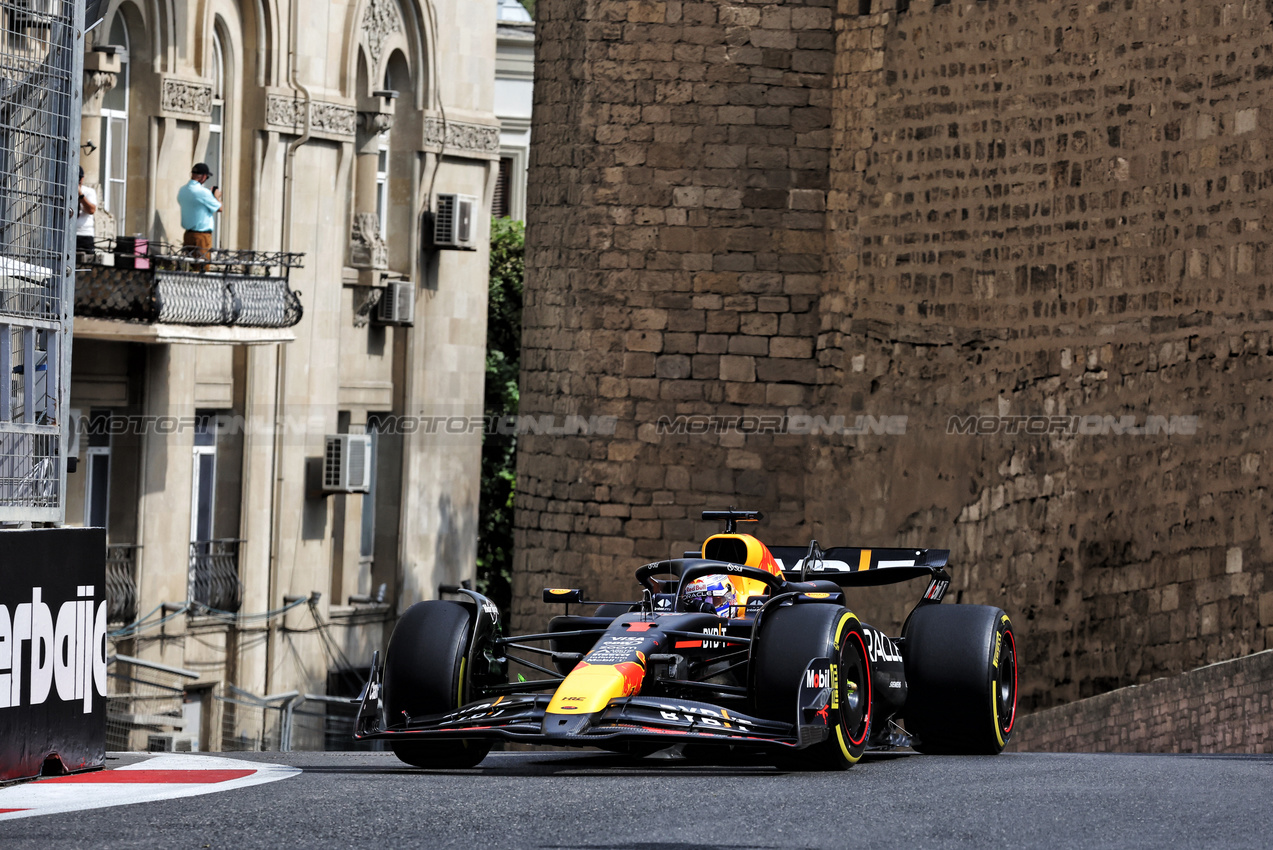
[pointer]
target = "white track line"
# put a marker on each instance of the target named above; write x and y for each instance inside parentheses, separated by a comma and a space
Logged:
(163, 777)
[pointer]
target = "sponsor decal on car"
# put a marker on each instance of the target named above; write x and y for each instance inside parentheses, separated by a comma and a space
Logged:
(701, 716)
(614, 649)
(879, 647)
(817, 678)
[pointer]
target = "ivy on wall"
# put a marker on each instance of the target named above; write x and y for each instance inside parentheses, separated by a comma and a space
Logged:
(499, 451)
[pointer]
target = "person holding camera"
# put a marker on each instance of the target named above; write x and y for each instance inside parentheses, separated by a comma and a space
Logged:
(85, 230)
(198, 206)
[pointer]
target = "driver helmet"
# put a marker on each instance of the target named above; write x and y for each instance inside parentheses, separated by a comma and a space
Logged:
(717, 591)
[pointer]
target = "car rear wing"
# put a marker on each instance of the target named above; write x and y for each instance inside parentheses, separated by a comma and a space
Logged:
(850, 566)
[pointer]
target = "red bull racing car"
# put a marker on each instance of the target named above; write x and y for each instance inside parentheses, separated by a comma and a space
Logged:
(736, 645)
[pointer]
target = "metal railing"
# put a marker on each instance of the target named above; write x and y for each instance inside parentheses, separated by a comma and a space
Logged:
(159, 282)
(41, 63)
(121, 583)
(288, 722)
(143, 700)
(214, 574)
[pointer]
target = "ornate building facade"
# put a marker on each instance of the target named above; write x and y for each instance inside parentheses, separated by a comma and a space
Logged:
(275, 428)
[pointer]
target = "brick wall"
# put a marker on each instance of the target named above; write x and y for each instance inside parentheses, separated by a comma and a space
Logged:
(1222, 708)
(675, 248)
(1050, 209)
(1031, 209)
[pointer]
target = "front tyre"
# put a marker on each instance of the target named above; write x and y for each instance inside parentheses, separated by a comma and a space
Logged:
(425, 674)
(961, 672)
(792, 636)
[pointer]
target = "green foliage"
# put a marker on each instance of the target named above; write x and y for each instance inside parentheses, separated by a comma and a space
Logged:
(530, 6)
(499, 451)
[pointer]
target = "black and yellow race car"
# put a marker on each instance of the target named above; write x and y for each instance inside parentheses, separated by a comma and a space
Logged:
(738, 645)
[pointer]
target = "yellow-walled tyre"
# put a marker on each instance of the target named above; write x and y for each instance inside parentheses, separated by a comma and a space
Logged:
(790, 637)
(961, 675)
(425, 674)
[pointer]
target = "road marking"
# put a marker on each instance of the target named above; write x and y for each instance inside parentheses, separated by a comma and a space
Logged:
(163, 777)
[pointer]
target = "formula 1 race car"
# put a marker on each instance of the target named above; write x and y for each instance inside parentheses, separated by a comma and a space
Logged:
(737, 645)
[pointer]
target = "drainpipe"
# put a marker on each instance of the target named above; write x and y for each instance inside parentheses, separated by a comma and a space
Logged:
(280, 361)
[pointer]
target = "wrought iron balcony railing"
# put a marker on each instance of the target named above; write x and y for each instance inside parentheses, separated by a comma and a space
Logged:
(158, 282)
(214, 574)
(121, 583)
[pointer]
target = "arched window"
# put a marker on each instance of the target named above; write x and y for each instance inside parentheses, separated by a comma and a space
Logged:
(215, 156)
(114, 168)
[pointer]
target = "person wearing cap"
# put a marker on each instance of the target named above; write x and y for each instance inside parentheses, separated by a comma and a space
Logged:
(198, 205)
(85, 231)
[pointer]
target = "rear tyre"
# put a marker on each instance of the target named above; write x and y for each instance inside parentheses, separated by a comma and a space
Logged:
(790, 637)
(425, 674)
(961, 672)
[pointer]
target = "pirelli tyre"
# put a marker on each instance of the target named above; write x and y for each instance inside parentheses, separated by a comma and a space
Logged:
(425, 674)
(961, 671)
(789, 638)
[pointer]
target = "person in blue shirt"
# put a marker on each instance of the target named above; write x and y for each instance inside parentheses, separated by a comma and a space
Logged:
(198, 205)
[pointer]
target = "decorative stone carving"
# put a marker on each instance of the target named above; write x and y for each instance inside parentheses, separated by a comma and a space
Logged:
(366, 249)
(366, 299)
(286, 113)
(460, 136)
(375, 123)
(96, 85)
(333, 118)
(379, 22)
(188, 96)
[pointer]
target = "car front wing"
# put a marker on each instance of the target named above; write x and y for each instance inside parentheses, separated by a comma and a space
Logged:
(524, 718)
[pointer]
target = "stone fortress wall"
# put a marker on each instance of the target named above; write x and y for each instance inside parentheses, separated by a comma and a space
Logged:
(983, 208)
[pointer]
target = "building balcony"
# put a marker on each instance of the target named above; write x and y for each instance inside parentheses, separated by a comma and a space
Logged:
(214, 574)
(121, 583)
(134, 291)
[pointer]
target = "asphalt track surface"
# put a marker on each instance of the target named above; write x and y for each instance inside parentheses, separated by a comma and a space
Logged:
(589, 800)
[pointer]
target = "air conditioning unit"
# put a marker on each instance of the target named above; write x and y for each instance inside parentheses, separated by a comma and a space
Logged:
(169, 744)
(453, 224)
(347, 463)
(397, 303)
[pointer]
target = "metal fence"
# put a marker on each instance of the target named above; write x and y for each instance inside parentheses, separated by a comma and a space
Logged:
(145, 705)
(288, 722)
(41, 64)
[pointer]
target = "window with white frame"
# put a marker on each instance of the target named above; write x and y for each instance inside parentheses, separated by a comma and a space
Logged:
(382, 185)
(204, 479)
(97, 469)
(215, 156)
(114, 156)
(367, 536)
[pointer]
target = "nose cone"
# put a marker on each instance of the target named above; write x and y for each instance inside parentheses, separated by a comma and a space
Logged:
(590, 687)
